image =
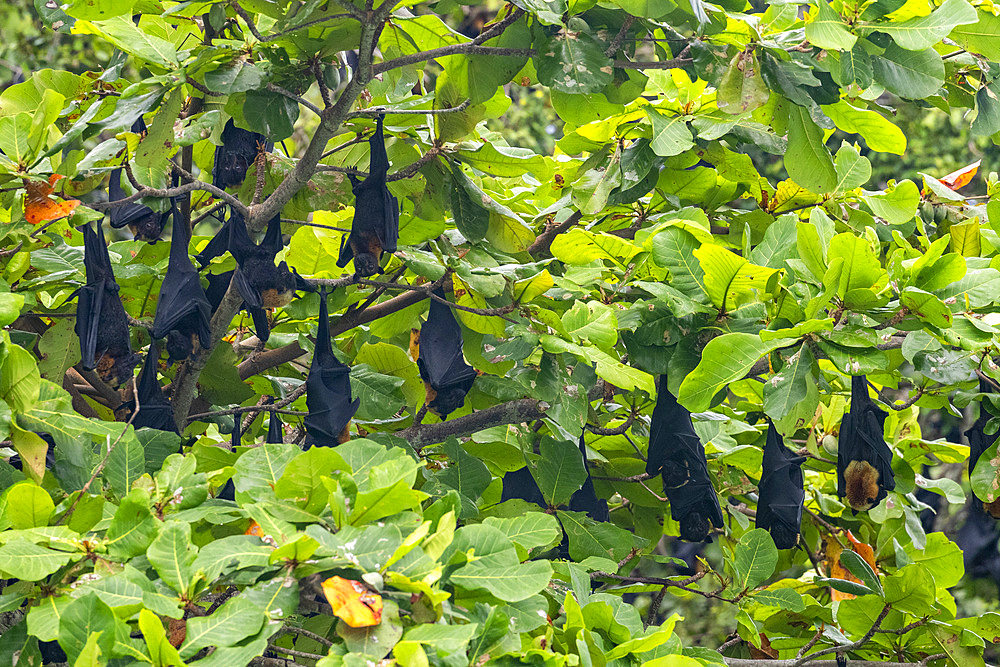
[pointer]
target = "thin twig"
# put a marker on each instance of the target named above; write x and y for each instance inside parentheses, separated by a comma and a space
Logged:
(275, 88)
(847, 647)
(305, 633)
(379, 111)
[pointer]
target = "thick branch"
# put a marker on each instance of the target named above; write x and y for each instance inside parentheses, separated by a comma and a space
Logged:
(512, 412)
(540, 248)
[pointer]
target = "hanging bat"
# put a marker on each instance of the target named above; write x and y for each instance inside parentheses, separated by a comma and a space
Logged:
(275, 433)
(977, 538)
(447, 378)
(521, 484)
(779, 508)
(155, 410)
(328, 390)
(145, 223)
(376, 213)
(676, 453)
(101, 322)
(262, 284)
(979, 442)
(864, 460)
(218, 245)
(236, 155)
(183, 312)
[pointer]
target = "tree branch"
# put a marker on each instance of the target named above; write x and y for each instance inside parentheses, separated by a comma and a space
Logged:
(274, 88)
(513, 412)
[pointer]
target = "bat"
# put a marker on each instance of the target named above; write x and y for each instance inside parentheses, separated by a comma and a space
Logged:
(864, 460)
(183, 312)
(447, 378)
(521, 484)
(228, 490)
(376, 213)
(979, 442)
(676, 453)
(262, 284)
(155, 410)
(218, 245)
(101, 322)
(236, 155)
(275, 432)
(145, 223)
(328, 390)
(779, 509)
(978, 540)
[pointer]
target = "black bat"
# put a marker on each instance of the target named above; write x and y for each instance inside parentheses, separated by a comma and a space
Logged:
(521, 484)
(101, 322)
(236, 155)
(262, 284)
(155, 410)
(864, 460)
(328, 390)
(978, 540)
(979, 442)
(228, 490)
(275, 433)
(676, 453)
(145, 223)
(376, 213)
(779, 508)
(183, 311)
(218, 245)
(447, 378)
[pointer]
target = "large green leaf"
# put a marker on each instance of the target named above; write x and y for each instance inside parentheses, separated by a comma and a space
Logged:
(909, 74)
(982, 37)
(172, 555)
(573, 62)
(725, 358)
(732, 281)
(828, 31)
(755, 558)
(808, 160)
(924, 32)
(84, 616)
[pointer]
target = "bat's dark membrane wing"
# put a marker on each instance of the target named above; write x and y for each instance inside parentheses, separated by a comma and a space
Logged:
(376, 212)
(781, 494)
(275, 433)
(978, 540)
(440, 359)
(520, 484)
(155, 411)
(864, 460)
(145, 223)
(328, 389)
(979, 442)
(586, 500)
(219, 243)
(101, 322)
(182, 306)
(236, 155)
(670, 430)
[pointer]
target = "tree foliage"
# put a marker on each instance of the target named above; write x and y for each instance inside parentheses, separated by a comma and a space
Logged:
(649, 244)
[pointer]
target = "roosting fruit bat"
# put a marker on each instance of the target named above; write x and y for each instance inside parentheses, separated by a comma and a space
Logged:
(520, 484)
(218, 244)
(376, 213)
(275, 433)
(447, 378)
(237, 153)
(328, 390)
(261, 283)
(183, 311)
(979, 442)
(101, 322)
(145, 223)
(864, 460)
(977, 538)
(155, 411)
(676, 452)
(779, 508)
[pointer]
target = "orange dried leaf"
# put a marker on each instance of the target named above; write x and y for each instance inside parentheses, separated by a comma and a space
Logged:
(40, 207)
(352, 602)
(961, 177)
(255, 530)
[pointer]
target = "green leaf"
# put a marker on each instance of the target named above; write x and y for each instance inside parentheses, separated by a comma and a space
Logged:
(828, 31)
(226, 626)
(20, 384)
(965, 238)
(573, 62)
(270, 114)
(862, 268)
(730, 280)
(60, 349)
(259, 469)
(923, 32)
(128, 37)
(161, 651)
(471, 218)
(14, 131)
(755, 558)
(927, 307)
(592, 189)
(673, 249)
(853, 169)
(981, 37)
(560, 471)
(530, 530)
(782, 598)
(807, 160)
(150, 162)
(742, 88)
(878, 132)
(27, 506)
(726, 358)
(83, 617)
(596, 538)
(96, 10)
(507, 581)
(133, 526)
(467, 474)
(898, 204)
(844, 586)
(579, 246)
(793, 384)
(172, 555)
(28, 561)
(856, 67)
(671, 135)
(909, 74)
(126, 463)
(860, 568)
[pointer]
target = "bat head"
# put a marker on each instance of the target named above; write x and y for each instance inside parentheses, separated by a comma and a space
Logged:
(365, 265)
(862, 486)
(783, 536)
(447, 401)
(179, 345)
(282, 292)
(694, 526)
(116, 370)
